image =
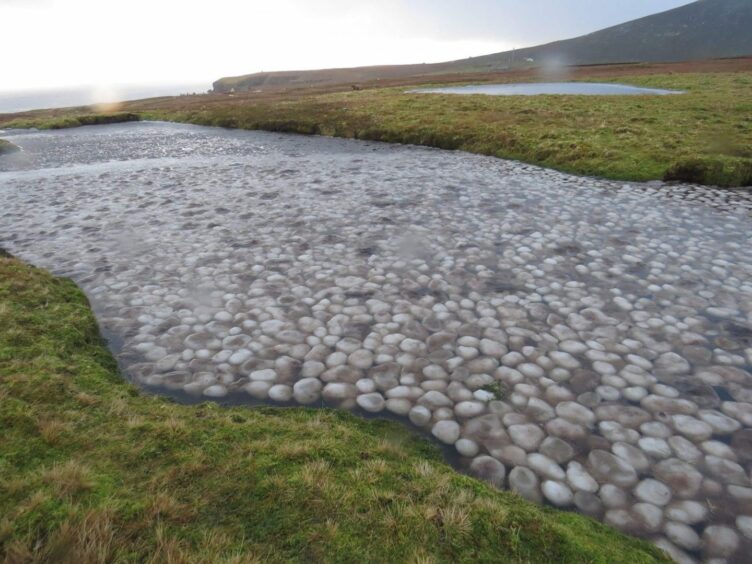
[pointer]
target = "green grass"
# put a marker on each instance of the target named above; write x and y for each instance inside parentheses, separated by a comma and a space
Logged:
(74, 119)
(94, 471)
(702, 136)
(7, 147)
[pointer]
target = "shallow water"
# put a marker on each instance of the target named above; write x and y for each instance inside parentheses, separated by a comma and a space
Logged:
(538, 88)
(586, 342)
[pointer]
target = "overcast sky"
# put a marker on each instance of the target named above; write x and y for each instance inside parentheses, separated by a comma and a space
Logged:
(66, 43)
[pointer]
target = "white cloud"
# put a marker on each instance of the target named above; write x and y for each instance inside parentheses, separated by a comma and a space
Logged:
(55, 43)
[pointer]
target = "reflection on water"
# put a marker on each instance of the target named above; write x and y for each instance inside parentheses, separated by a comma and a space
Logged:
(584, 342)
(538, 88)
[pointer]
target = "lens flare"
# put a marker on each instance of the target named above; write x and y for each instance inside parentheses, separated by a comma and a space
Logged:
(106, 98)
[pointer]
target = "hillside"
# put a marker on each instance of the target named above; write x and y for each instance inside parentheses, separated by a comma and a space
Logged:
(291, 79)
(707, 29)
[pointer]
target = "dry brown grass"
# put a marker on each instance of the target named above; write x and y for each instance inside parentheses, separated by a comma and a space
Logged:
(87, 541)
(169, 549)
(315, 474)
(68, 479)
(52, 430)
(86, 399)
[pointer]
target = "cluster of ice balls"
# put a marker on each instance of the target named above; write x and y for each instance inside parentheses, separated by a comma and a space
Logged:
(583, 344)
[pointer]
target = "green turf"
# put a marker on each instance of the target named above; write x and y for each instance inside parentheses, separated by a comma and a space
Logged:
(7, 147)
(94, 471)
(74, 119)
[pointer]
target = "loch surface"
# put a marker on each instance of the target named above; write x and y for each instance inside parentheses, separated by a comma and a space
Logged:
(549, 88)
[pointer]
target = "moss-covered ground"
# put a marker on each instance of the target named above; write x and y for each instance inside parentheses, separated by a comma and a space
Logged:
(92, 470)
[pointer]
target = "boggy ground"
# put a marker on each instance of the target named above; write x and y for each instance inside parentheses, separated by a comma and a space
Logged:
(703, 136)
(93, 471)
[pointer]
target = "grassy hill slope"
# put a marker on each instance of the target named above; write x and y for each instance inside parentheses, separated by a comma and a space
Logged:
(706, 29)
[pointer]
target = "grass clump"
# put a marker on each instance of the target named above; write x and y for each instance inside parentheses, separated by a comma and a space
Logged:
(74, 120)
(94, 471)
(6, 147)
(498, 389)
(713, 170)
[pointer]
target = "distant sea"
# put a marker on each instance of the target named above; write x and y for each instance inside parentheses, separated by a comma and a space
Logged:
(20, 101)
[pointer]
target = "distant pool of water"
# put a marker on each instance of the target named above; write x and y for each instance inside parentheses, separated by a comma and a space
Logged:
(538, 88)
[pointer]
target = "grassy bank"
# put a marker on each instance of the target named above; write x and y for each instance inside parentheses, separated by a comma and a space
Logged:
(93, 471)
(7, 147)
(73, 118)
(703, 136)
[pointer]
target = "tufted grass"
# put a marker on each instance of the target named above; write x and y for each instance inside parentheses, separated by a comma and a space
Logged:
(94, 471)
(7, 147)
(71, 119)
